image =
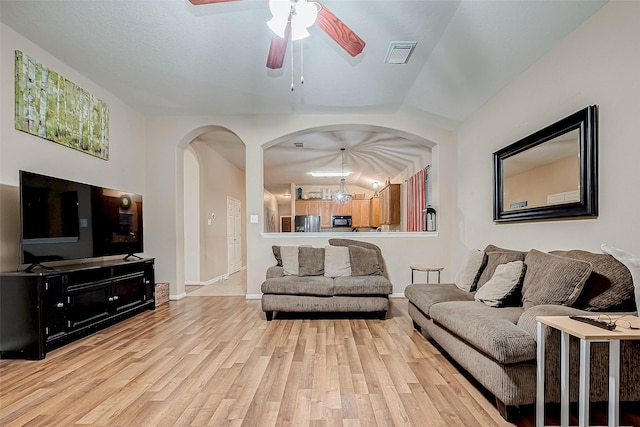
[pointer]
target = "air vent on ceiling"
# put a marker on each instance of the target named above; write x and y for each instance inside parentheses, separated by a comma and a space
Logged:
(399, 52)
(298, 144)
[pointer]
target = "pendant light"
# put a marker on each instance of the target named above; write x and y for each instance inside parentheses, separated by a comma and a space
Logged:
(342, 196)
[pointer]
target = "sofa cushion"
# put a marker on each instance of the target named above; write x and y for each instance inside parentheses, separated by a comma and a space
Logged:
(552, 279)
(468, 275)
(295, 285)
(424, 296)
(276, 255)
(310, 261)
(610, 285)
(503, 289)
(494, 259)
(366, 245)
(364, 262)
(632, 263)
(361, 285)
(289, 255)
(492, 331)
(336, 261)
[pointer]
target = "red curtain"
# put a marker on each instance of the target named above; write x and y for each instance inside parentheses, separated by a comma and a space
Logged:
(416, 200)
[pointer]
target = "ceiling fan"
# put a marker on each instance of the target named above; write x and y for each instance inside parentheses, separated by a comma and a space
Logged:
(325, 19)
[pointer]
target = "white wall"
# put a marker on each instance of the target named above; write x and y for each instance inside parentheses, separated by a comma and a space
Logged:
(127, 134)
(191, 218)
(597, 64)
(164, 182)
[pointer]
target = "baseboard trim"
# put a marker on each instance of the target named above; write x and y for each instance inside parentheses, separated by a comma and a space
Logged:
(397, 295)
(177, 297)
(215, 280)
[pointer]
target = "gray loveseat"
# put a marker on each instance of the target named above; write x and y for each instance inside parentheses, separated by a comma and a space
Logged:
(348, 278)
(497, 344)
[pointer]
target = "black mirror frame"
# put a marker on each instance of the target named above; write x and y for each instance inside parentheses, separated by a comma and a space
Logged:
(586, 121)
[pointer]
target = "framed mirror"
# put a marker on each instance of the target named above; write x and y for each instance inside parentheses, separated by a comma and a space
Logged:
(552, 173)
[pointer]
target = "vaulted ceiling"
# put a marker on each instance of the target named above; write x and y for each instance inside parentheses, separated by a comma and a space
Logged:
(176, 58)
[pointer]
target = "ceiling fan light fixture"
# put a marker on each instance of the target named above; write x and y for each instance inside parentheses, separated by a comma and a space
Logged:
(278, 26)
(302, 14)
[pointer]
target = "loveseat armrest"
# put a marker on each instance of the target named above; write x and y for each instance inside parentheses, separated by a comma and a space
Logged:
(275, 271)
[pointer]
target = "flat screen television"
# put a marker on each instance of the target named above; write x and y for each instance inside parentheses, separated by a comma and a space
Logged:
(67, 220)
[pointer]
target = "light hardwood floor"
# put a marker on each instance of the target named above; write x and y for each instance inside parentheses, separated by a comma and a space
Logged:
(216, 361)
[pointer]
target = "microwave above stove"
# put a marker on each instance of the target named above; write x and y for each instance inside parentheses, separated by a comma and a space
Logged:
(341, 221)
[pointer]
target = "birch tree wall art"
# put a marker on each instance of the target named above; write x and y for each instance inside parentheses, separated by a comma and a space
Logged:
(53, 108)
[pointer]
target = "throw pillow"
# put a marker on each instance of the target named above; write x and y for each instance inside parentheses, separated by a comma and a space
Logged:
(310, 261)
(494, 248)
(552, 279)
(630, 261)
(366, 245)
(610, 285)
(276, 255)
(494, 259)
(364, 262)
(467, 277)
(502, 290)
(336, 261)
(289, 256)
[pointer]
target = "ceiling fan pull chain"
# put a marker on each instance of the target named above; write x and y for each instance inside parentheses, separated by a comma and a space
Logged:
(301, 62)
(291, 49)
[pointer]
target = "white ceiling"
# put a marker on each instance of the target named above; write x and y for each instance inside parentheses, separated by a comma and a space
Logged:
(172, 57)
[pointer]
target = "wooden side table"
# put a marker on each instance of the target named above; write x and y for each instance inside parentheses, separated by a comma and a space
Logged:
(587, 334)
(427, 270)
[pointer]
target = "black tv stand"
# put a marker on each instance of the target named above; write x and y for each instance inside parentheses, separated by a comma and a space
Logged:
(35, 265)
(43, 310)
(134, 256)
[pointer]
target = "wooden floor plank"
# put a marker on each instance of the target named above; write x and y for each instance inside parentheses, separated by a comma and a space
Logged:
(216, 361)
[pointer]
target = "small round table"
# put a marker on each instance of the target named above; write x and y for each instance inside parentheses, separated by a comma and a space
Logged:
(427, 270)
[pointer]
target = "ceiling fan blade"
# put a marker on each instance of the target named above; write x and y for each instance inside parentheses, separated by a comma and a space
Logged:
(199, 2)
(338, 31)
(278, 49)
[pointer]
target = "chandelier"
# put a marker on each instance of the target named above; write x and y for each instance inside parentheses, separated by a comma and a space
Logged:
(342, 196)
(301, 13)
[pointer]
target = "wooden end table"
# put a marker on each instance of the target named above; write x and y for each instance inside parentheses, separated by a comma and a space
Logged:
(427, 270)
(587, 334)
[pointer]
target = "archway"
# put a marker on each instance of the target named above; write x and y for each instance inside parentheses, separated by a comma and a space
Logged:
(212, 171)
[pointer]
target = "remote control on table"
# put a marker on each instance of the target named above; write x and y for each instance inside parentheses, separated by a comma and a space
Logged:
(595, 322)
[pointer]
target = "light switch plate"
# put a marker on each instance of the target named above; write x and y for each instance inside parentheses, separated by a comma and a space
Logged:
(253, 219)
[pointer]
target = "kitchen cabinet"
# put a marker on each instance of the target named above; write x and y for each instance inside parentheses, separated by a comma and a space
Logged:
(360, 213)
(42, 311)
(390, 204)
(374, 212)
(320, 207)
(339, 209)
(302, 207)
(324, 210)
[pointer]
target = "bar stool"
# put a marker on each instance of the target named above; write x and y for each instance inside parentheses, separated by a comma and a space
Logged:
(427, 270)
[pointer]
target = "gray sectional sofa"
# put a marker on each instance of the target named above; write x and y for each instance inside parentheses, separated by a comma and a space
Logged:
(494, 339)
(345, 276)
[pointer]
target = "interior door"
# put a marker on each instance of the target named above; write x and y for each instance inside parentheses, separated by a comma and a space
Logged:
(234, 235)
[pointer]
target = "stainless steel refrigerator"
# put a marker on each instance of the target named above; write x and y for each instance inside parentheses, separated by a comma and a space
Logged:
(307, 223)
